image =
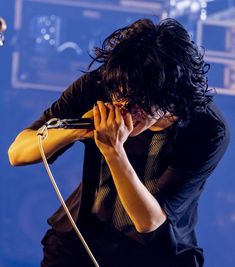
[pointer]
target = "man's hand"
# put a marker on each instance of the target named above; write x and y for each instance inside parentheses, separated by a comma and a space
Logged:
(111, 127)
(111, 131)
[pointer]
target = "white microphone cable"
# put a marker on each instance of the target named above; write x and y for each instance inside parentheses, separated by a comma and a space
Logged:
(42, 134)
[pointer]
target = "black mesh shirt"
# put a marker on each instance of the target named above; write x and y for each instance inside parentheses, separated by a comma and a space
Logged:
(173, 164)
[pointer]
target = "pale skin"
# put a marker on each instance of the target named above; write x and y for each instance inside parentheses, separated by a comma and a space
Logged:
(111, 131)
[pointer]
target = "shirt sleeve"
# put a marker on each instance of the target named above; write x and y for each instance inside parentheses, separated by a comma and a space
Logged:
(73, 103)
(69, 105)
(196, 153)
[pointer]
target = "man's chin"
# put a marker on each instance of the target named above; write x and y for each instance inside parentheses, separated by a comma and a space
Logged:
(137, 131)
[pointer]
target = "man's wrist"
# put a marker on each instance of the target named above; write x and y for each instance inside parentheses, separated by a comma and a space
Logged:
(114, 154)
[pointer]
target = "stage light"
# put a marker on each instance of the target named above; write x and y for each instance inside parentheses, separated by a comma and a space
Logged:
(3, 27)
(45, 31)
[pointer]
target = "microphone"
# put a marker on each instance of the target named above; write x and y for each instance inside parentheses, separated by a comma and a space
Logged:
(82, 123)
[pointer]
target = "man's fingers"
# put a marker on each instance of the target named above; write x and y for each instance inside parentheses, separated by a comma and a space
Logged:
(128, 121)
(96, 115)
(118, 115)
(111, 113)
(107, 115)
(103, 112)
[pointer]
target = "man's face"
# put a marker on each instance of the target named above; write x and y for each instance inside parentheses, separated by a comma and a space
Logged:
(141, 119)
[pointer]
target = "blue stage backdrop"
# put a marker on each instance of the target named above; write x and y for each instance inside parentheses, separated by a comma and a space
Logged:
(46, 47)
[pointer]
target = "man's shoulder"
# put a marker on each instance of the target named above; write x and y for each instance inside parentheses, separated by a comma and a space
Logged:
(211, 122)
(88, 84)
(208, 122)
(204, 139)
(205, 129)
(87, 78)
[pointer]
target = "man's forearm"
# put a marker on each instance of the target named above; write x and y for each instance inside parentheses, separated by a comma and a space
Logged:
(25, 150)
(143, 209)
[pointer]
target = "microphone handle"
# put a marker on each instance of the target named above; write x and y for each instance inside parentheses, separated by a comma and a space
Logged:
(82, 123)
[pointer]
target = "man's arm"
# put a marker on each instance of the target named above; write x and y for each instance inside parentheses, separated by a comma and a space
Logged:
(25, 150)
(181, 183)
(110, 134)
(72, 103)
(143, 209)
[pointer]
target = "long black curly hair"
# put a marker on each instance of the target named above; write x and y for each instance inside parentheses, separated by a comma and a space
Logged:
(155, 65)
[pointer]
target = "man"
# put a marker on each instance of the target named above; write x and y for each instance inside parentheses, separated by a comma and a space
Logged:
(157, 137)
